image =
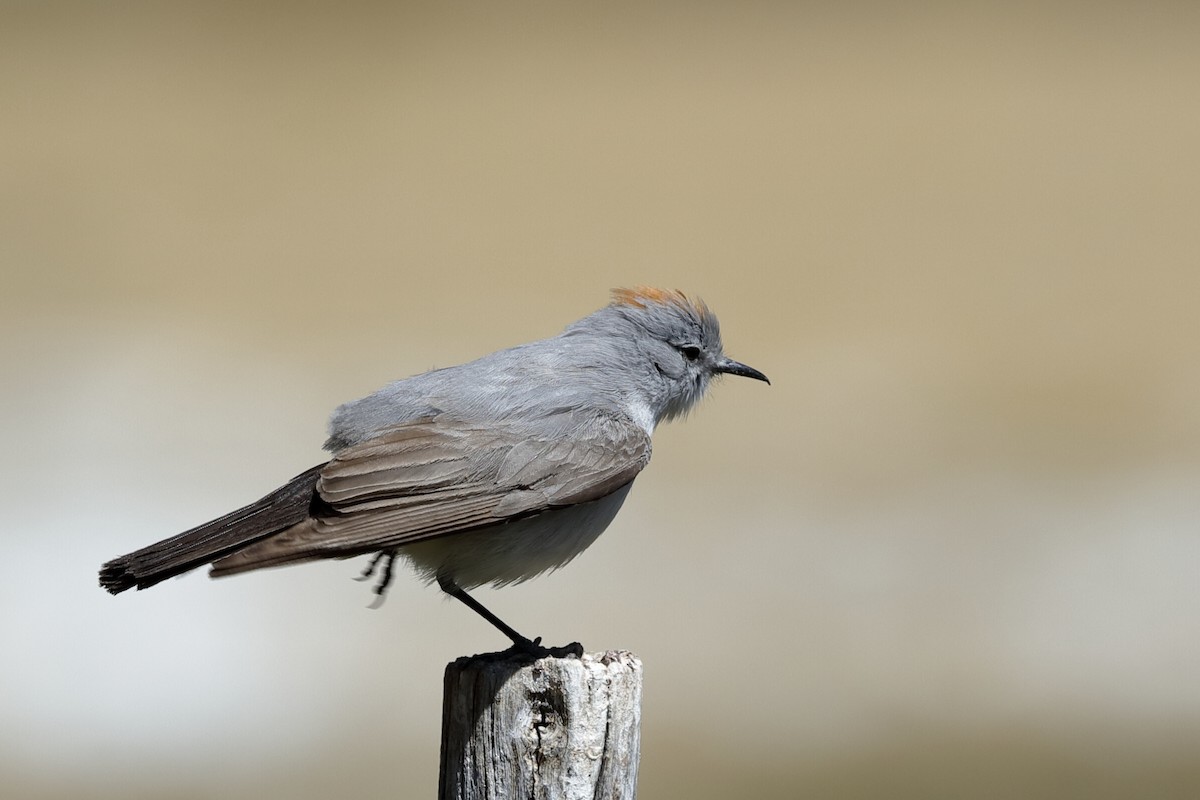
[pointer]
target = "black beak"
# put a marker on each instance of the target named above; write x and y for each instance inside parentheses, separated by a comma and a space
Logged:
(731, 367)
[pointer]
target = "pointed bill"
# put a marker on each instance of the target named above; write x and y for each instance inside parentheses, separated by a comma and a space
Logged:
(730, 367)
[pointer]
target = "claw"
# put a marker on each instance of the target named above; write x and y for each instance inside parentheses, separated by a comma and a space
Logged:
(370, 568)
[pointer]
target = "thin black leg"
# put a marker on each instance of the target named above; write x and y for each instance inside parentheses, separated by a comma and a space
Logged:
(520, 643)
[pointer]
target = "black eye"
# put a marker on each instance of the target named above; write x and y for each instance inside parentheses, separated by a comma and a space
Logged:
(690, 352)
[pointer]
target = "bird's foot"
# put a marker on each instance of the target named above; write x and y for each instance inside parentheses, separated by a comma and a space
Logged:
(536, 649)
(385, 578)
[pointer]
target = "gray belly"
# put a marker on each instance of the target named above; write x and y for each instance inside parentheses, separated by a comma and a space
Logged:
(515, 551)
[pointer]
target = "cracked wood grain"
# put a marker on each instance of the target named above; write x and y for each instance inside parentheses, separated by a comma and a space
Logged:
(545, 729)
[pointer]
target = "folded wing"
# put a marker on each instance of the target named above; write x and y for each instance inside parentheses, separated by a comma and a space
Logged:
(438, 476)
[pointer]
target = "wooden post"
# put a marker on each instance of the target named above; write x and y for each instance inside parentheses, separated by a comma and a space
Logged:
(550, 729)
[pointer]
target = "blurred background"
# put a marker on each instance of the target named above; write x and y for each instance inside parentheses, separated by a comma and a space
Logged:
(951, 553)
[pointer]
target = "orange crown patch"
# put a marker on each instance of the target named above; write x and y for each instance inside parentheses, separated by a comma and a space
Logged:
(640, 296)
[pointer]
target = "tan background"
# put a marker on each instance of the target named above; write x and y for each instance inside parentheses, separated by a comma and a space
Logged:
(952, 552)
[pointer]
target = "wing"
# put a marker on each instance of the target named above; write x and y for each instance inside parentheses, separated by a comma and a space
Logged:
(438, 476)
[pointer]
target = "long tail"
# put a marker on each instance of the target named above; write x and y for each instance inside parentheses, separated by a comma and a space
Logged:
(281, 509)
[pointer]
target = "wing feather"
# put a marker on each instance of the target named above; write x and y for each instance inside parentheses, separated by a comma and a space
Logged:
(438, 476)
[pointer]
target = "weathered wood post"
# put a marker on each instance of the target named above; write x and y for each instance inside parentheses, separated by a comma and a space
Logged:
(552, 729)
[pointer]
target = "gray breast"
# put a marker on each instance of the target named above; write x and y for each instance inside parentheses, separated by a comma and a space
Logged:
(515, 551)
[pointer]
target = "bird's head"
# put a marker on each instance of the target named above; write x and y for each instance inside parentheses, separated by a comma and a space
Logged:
(676, 342)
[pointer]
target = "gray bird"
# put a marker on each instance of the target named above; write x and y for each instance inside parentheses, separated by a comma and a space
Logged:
(493, 471)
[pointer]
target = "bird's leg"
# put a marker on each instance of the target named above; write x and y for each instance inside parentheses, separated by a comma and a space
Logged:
(520, 643)
(455, 591)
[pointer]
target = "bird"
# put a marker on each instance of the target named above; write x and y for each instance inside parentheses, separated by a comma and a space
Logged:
(489, 472)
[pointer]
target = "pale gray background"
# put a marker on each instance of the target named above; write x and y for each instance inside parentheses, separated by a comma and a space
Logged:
(952, 552)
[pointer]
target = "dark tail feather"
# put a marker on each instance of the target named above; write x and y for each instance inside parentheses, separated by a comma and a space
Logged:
(280, 509)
